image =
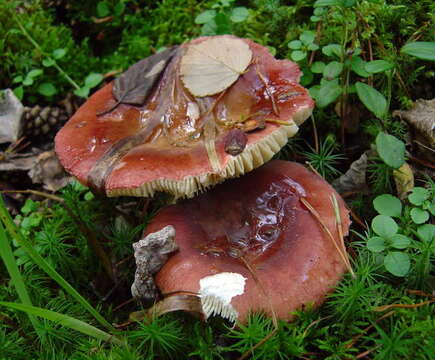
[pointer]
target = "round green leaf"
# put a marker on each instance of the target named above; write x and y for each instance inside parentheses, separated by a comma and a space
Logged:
(19, 92)
(332, 70)
(307, 37)
(102, 9)
(205, 17)
(318, 67)
(390, 149)
(400, 241)
(315, 18)
(377, 66)
(307, 77)
(387, 204)
(418, 196)
(295, 44)
(59, 53)
(376, 244)
(419, 216)
(313, 47)
(28, 81)
(239, 14)
(119, 8)
(420, 49)
(48, 62)
(372, 99)
(93, 80)
(47, 89)
(358, 66)
(426, 232)
(432, 207)
(298, 55)
(17, 79)
(384, 226)
(82, 92)
(397, 263)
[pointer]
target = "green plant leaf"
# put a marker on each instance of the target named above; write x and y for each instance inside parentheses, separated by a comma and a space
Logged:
(391, 150)
(298, 55)
(93, 79)
(64, 320)
(59, 53)
(328, 93)
(419, 216)
(376, 244)
(318, 67)
(307, 37)
(47, 89)
(384, 226)
(119, 8)
(34, 73)
(332, 70)
(17, 79)
(325, 3)
(45, 266)
(426, 232)
(372, 99)
(295, 44)
(239, 14)
(420, 49)
(48, 62)
(205, 17)
(377, 66)
(82, 92)
(29, 206)
(19, 92)
(418, 195)
(397, 263)
(400, 241)
(332, 49)
(102, 9)
(387, 204)
(9, 260)
(315, 18)
(313, 47)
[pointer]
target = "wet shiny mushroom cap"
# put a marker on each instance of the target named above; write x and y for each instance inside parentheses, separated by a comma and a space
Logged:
(256, 228)
(178, 142)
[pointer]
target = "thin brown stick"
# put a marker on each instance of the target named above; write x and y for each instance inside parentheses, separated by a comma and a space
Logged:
(328, 232)
(403, 306)
(365, 353)
(269, 93)
(35, 192)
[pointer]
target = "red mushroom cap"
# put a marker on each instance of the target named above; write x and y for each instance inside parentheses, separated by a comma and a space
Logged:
(180, 143)
(257, 227)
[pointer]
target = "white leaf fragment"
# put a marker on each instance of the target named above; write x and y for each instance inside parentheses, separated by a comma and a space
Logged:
(216, 292)
(211, 66)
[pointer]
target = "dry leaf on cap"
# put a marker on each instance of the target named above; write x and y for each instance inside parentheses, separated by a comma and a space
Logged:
(213, 65)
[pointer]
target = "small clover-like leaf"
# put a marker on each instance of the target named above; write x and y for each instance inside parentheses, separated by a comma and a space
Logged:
(377, 66)
(307, 37)
(419, 216)
(384, 226)
(318, 67)
(332, 70)
(295, 44)
(418, 196)
(376, 244)
(426, 232)
(387, 204)
(397, 263)
(59, 53)
(205, 17)
(239, 14)
(358, 66)
(47, 89)
(400, 241)
(332, 49)
(298, 55)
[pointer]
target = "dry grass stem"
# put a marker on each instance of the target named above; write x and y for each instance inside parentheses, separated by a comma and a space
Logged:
(328, 232)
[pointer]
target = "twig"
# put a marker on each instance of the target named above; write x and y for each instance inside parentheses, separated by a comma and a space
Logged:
(403, 306)
(268, 92)
(365, 353)
(35, 192)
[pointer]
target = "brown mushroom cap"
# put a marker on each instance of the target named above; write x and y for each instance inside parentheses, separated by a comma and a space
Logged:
(162, 144)
(258, 221)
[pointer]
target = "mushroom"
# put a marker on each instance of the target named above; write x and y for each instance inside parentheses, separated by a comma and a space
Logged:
(164, 126)
(250, 244)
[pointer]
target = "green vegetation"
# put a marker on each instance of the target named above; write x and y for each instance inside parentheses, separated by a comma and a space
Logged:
(60, 298)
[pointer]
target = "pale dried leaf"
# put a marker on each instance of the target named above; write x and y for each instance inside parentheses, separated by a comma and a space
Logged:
(354, 178)
(151, 253)
(11, 111)
(214, 64)
(404, 179)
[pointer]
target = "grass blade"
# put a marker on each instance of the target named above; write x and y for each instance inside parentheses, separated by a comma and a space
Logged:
(9, 260)
(44, 265)
(64, 320)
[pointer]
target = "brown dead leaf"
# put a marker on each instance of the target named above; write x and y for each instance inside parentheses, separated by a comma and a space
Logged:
(404, 179)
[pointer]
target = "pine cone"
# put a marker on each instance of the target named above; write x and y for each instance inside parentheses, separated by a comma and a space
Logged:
(42, 123)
